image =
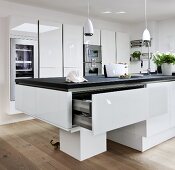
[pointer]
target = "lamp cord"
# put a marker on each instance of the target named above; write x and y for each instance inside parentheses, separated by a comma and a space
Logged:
(88, 7)
(146, 24)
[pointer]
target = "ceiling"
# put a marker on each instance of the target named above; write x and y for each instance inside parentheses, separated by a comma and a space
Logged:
(157, 9)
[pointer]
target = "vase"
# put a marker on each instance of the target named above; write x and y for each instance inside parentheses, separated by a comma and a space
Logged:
(159, 69)
(167, 69)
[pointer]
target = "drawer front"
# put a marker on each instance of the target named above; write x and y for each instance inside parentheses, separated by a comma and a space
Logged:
(118, 109)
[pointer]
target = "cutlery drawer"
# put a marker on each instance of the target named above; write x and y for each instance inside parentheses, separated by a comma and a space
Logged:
(83, 106)
(82, 120)
(108, 111)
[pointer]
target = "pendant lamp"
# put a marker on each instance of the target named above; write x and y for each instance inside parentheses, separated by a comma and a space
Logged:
(146, 35)
(88, 27)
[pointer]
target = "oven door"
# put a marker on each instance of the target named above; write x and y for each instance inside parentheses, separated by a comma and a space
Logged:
(92, 69)
(92, 53)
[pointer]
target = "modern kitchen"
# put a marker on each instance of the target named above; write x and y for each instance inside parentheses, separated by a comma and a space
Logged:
(87, 84)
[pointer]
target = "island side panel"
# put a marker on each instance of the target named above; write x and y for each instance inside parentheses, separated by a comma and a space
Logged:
(51, 106)
(159, 127)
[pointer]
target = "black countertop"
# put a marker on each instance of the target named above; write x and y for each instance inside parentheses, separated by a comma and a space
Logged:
(59, 83)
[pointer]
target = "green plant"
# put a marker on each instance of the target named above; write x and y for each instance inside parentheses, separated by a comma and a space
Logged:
(136, 55)
(161, 58)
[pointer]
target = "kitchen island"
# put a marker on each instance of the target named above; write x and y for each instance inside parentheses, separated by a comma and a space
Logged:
(138, 112)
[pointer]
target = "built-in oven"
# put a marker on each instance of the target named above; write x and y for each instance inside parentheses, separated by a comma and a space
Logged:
(92, 60)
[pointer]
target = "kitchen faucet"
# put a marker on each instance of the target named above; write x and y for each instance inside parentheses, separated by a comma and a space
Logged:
(147, 43)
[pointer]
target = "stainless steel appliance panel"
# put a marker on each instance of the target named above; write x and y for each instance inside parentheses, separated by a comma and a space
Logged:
(23, 61)
(92, 53)
(92, 60)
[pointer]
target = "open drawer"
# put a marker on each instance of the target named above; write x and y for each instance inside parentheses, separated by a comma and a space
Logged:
(112, 110)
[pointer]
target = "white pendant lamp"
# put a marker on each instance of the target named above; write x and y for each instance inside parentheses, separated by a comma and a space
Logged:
(88, 27)
(146, 35)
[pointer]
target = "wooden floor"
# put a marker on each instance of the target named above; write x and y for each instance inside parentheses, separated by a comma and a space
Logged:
(26, 146)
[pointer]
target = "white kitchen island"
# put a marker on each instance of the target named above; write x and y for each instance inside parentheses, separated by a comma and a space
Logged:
(139, 112)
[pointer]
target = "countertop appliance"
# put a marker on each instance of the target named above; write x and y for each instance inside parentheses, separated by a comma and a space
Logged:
(116, 70)
(92, 61)
(23, 61)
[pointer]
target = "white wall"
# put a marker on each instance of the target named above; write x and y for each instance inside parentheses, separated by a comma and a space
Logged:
(166, 41)
(163, 34)
(4, 118)
(166, 36)
(21, 12)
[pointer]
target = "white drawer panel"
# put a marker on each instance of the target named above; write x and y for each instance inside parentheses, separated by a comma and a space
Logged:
(51, 106)
(118, 109)
(55, 107)
(25, 99)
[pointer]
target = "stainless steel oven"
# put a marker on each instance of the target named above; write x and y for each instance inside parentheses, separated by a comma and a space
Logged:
(92, 60)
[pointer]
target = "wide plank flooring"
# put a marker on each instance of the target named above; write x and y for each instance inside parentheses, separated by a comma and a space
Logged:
(26, 146)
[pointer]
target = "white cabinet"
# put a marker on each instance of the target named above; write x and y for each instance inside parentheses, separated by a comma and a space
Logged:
(123, 47)
(54, 107)
(159, 107)
(67, 70)
(73, 47)
(159, 98)
(26, 99)
(118, 109)
(109, 110)
(51, 106)
(93, 40)
(108, 47)
(51, 50)
(173, 104)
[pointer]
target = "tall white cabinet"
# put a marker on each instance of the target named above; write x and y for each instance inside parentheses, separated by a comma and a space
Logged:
(123, 47)
(73, 48)
(50, 50)
(108, 43)
(93, 40)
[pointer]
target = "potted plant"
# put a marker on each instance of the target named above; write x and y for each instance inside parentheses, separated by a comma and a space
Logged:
(136, 55)
(166, 61)
(157, 60)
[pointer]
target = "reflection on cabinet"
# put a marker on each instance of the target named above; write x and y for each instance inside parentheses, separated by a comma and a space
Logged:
(51, 52)
(108, 47)
(73, 47)
(93, 40)
(123, 47)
